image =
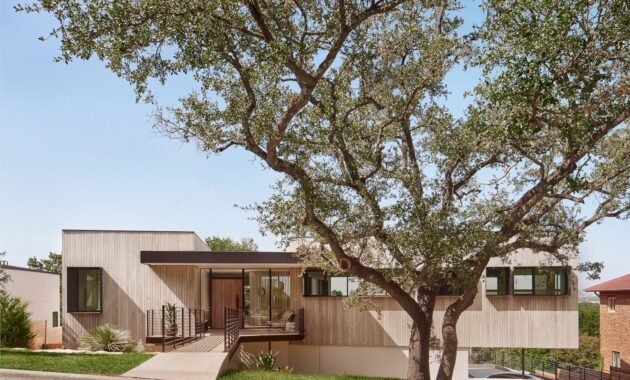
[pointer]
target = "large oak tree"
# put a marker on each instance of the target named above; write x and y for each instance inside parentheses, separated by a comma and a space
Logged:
(346, 99)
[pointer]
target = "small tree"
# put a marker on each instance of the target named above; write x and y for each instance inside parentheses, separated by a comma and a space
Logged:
(51, 264)
(4, 276)
(15, 325)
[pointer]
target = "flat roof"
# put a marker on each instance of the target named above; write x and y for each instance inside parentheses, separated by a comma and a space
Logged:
(217, 257)
(27, 269)
(115, 230)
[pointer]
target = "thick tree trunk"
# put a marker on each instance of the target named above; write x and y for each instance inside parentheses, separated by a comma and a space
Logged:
(420, 340)
(449, 334)
(449, 352)
(419, 352)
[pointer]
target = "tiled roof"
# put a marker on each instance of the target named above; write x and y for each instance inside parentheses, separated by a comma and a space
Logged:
(616, 284)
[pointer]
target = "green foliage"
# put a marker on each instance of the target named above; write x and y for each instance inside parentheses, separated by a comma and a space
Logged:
(264, 361)
(15, 324)
(348, 104)
(107, 338)
(170, 311)
(71, 363)
(587, 355)
(217, 243)
(589, 319)
(4, 276)
(51, 264)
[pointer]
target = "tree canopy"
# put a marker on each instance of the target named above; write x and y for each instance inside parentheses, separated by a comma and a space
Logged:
(347, 100)
(51, 264)
(217, 243)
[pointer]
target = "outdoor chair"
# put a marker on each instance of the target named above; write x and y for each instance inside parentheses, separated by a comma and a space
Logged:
(281, 322)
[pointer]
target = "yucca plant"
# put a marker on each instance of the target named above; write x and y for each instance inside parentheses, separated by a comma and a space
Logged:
(107, 338)
(170, 317)
(264, 361)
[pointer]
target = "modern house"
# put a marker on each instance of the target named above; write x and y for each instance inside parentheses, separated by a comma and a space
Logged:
(267, 300)
(41, 291)
(614, 321)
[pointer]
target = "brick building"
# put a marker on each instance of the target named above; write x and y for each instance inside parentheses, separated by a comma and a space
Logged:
(614, 321)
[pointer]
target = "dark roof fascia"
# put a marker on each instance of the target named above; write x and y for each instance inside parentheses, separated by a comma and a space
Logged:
(216, 257)
(27, 269)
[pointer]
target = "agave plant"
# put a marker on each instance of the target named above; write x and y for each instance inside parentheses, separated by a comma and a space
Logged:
(107, 338)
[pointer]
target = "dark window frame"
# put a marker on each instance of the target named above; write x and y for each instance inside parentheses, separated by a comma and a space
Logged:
(306, 285)
(55, 319)
(508, 280)
(72, 290)
(534, 272)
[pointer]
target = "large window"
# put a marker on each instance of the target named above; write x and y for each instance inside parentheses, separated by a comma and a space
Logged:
(540, 281)
(84, 290)
(318, 283)
(497, 281)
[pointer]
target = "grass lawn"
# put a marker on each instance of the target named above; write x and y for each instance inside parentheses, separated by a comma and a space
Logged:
(274, 375)
(71, 363)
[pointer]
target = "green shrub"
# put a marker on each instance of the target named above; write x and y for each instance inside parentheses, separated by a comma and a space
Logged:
(107, 338)
(15, 324)
(263, 361)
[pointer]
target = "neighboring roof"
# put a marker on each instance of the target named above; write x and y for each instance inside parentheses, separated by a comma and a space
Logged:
(615, 285)
(27, 269)
(216, 257)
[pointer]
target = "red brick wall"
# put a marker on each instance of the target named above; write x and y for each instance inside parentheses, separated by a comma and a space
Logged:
(614, 328)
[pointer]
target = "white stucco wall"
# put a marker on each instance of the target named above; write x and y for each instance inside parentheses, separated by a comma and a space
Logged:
(39, 289)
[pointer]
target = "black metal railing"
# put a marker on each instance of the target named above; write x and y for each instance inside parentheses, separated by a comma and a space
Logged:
(232, 321)
(176, 326)
(548, 369)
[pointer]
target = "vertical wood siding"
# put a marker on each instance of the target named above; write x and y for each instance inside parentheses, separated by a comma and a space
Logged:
(129, 287)
(495, 321)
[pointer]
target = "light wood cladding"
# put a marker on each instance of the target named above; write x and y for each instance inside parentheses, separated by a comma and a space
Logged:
(495, 321)
(129, 287)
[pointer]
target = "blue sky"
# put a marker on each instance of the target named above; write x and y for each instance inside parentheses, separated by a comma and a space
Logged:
(76, 151)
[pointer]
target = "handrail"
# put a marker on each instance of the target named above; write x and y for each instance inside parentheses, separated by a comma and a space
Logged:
(186, 324)
(548, 369)
(231, 326)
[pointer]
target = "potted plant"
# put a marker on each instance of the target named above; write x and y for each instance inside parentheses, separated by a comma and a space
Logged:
(170, 319)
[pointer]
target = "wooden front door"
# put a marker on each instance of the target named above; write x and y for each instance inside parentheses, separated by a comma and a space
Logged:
(225, 293)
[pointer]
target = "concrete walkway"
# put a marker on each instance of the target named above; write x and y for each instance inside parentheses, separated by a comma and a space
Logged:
(180, 366)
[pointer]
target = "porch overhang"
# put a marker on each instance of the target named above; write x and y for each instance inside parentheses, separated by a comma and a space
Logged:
(219, 259)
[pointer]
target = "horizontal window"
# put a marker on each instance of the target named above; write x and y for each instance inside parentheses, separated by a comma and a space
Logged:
(84, 289)
(450, 291)
(318, 283)
(497, 281)
(540, 281)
